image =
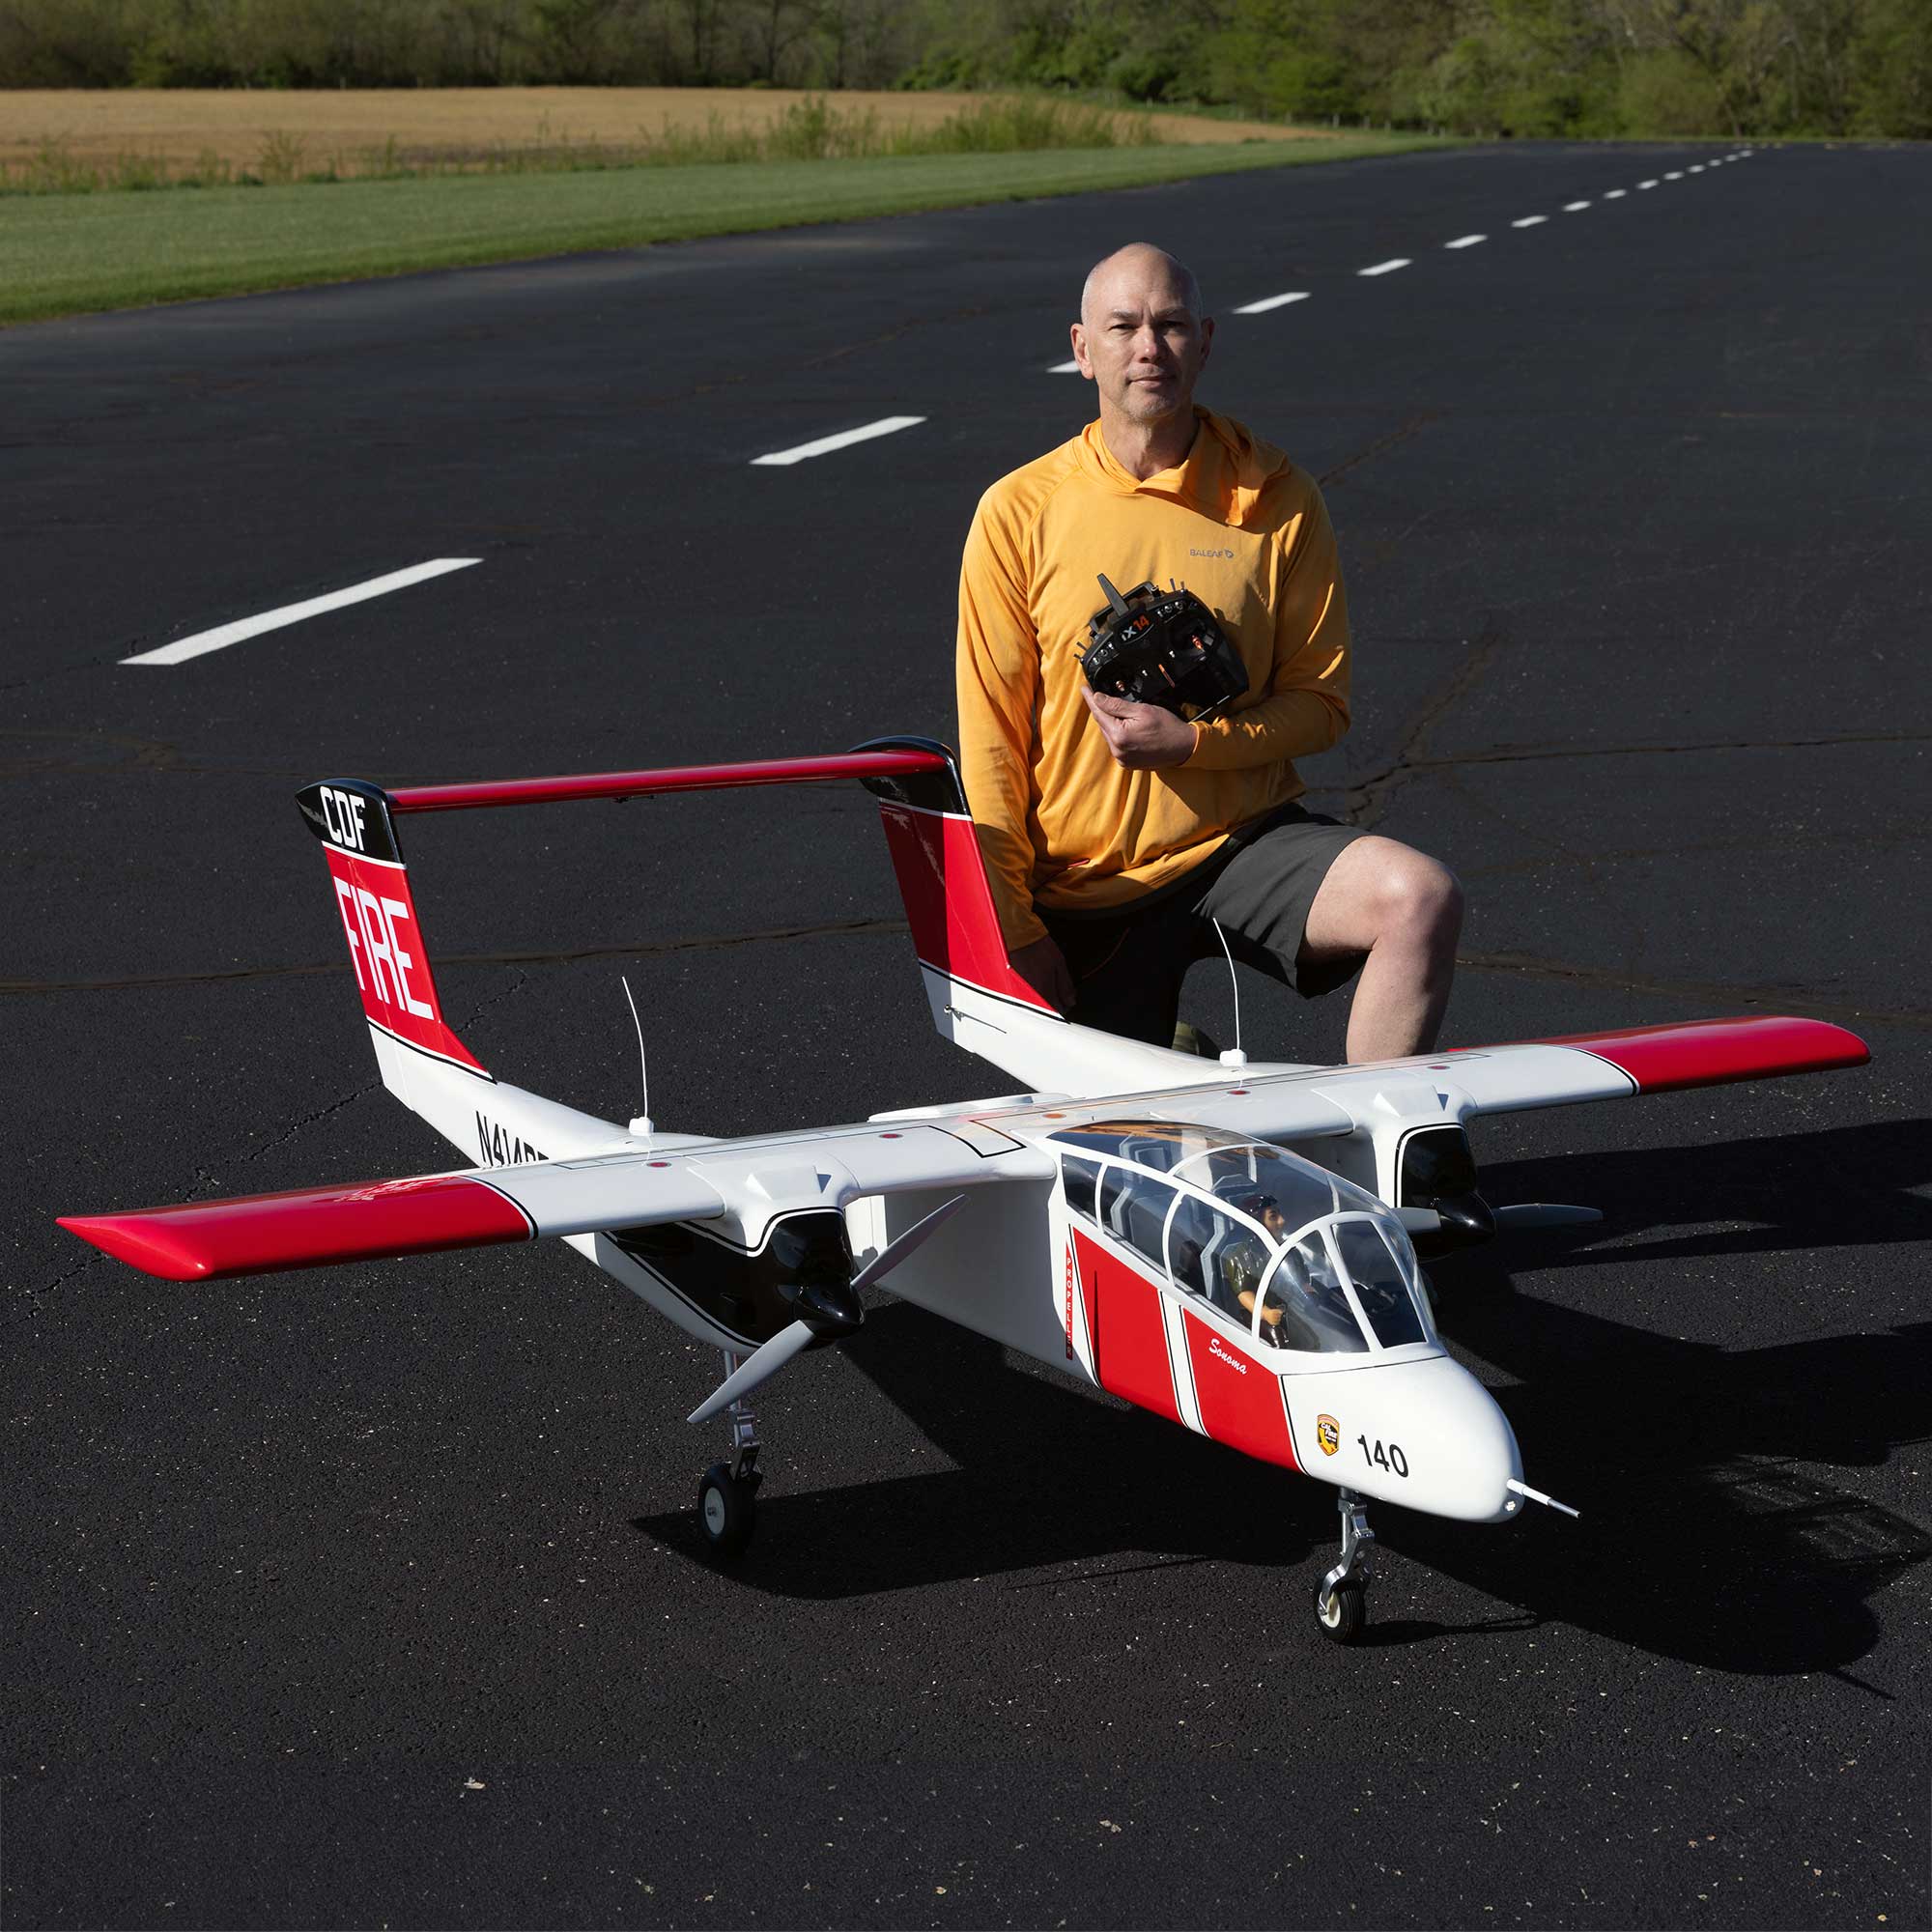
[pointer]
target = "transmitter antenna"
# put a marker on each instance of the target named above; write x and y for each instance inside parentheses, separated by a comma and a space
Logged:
(1231, 1056)
(640, 1123)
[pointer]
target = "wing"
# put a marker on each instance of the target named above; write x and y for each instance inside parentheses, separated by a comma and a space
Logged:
(375, 1220)
(1466, 1081)
(1648, 1060)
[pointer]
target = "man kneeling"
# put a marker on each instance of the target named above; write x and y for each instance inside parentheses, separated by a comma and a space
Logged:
(1116, 834)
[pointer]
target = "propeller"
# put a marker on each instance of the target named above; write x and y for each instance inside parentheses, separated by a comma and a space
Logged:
(1455, 1219)
(827, 1312)
(1546, 1214)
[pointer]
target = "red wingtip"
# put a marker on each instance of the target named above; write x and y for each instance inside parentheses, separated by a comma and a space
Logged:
(310, 1227)
(1708, 1053)
(140, 1242)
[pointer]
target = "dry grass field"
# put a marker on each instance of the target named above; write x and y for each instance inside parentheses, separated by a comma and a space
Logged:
(178, 130)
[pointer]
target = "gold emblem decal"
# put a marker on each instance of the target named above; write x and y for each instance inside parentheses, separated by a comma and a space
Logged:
(1327, 1433)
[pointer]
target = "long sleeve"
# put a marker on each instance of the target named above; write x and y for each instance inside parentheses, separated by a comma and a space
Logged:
(1306, 707)
(997, 682)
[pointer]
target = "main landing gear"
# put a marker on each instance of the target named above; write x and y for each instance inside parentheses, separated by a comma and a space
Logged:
(727, 1496)
(1341, 1598)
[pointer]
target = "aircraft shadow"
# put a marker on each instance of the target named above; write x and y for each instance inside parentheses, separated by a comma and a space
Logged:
(1699, 1541)
(1050, 1477)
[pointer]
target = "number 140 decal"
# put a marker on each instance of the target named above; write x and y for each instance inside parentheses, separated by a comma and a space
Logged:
(1389, 1458)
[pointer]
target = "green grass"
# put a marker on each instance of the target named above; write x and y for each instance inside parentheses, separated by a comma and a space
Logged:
(65, 254)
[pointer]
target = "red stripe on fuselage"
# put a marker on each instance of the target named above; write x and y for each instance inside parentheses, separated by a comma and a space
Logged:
(1707, 1053)
(1241, 1401)
(309, 1227)
(1130, 1338)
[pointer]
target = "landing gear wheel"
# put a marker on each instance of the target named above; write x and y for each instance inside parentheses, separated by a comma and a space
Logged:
(728, 1509)
(1343, 1611)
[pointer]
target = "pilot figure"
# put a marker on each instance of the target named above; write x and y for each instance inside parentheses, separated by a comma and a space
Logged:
(1246, 1259)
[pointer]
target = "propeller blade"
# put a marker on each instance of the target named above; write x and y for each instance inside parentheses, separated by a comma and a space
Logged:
(759, 1367)
(895, 1252)
(1544, 1215)
(832, 1312)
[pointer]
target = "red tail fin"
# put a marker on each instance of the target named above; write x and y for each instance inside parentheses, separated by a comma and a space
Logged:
(942, 874)
(379, 917)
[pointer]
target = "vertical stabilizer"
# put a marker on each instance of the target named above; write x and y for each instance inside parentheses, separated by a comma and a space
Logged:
(379, 919)
(977, 1000)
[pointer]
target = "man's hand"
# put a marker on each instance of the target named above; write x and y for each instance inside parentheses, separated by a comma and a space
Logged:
(1142, 737)
(1044, 967)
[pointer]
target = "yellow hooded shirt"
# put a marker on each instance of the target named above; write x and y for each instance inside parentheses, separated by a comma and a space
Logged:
(1059, 822)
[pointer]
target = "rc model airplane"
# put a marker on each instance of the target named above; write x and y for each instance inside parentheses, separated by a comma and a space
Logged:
(1233, 1247)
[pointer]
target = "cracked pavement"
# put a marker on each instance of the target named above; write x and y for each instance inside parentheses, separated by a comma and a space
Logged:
(370, 1595)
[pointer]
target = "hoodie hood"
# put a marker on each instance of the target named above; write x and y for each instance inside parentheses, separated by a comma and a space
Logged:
(1222, 475)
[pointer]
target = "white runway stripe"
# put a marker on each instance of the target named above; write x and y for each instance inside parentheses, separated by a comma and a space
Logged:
(1528, 220)
(1571, 207)
(1064, 369)
(1385, 268)
(1272, 302)
(885, 426)
(1648, 183)
(202, 641)
(1675, 175)
(1465, 241)
(1615, 193)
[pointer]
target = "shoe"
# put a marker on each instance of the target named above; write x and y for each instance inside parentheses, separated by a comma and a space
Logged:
(1189, 1038)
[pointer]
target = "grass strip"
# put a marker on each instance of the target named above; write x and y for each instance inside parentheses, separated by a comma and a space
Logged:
(70, 254)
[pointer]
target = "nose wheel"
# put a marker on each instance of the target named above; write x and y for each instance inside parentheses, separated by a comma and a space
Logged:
(727, 1494)
(1341, 1598)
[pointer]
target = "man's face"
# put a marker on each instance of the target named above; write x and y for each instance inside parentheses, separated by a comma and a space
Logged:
(1140, 342)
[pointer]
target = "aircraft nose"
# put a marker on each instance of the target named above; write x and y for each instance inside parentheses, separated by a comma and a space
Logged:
(1423, 1433)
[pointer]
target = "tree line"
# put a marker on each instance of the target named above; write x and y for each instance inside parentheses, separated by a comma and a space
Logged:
(1733, 67)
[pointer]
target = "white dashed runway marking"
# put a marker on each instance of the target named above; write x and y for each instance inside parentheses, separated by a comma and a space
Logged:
(1675, 175)
(1064, 369)
(1465, 241)
(1648, 183)
(1530, 221)
(1571, 207)
(1615, 194)
(1268, 303)
(202, 641)
(1385, 268)
(826, 444)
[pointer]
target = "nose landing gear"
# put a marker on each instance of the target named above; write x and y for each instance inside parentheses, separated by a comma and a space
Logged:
(727, 1496)
(1341, 1598)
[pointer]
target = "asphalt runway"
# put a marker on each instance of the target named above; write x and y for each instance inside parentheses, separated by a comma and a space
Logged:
(373, 1596)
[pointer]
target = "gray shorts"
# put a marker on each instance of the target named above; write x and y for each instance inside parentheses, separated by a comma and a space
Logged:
(1128, 963)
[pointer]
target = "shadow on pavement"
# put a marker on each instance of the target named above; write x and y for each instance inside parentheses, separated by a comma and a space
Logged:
(1700, 1537)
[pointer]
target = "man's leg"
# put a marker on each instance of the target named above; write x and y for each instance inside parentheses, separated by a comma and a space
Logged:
(1126, 970)
(1400, 913)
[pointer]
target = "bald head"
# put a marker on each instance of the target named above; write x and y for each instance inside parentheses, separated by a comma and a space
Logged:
(1131, 275)
(1142, 340)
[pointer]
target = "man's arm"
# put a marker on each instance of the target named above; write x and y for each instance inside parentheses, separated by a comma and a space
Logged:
(1307, 706)
(998, 684)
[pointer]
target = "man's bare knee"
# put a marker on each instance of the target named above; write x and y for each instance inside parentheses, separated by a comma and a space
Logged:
(1418, 900)
(1379, 892)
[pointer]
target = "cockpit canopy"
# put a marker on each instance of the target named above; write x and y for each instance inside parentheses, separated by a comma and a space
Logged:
(1302, 1258)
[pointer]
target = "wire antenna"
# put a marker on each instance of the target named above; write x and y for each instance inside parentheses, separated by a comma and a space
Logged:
(642, 1124)
(1234, 1056)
